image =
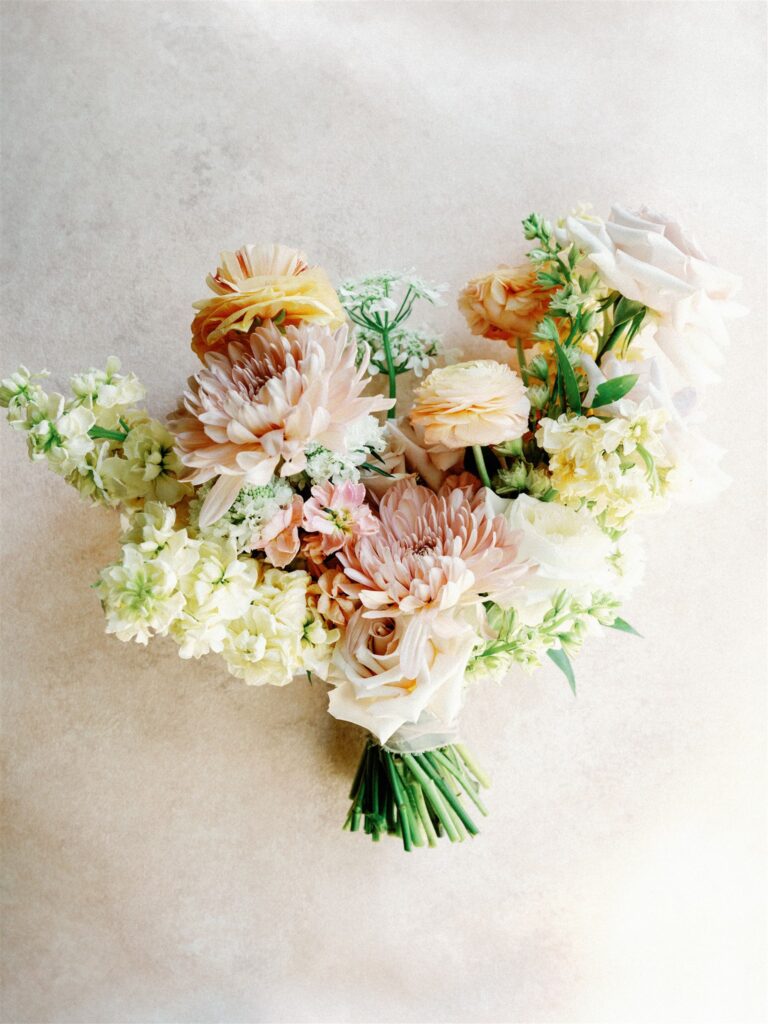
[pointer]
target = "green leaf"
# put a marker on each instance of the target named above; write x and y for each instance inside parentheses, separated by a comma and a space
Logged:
(624, 627)
(563, 662)
(568, 377)
(612, 390)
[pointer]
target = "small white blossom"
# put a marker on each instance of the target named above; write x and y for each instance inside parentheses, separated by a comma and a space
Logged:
(107, 389)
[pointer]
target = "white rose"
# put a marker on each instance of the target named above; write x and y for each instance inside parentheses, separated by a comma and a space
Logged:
(570, 551)
(369, 685)
(648, 258)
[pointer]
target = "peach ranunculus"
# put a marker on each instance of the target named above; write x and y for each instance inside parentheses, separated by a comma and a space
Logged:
(258, 283)
(506, 304)
(251, 411)
(476, 403)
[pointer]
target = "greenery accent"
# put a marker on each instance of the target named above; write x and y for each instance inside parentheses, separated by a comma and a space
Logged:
(563, 662)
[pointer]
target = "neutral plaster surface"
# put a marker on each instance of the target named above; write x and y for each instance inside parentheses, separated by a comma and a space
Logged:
(172, 843)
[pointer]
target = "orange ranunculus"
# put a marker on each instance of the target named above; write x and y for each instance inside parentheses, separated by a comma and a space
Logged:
(505, 304)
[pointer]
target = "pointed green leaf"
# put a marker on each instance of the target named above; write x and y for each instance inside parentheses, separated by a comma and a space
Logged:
(612, 390)
(568, 377)
(563, 662)
(624, 627)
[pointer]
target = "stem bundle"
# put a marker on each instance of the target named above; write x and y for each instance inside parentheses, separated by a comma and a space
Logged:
(416, 797)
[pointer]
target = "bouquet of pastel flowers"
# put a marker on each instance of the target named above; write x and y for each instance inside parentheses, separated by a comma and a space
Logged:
(291, 517)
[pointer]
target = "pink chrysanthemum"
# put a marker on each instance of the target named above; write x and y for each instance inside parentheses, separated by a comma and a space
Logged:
(433, 552)
(252, 410)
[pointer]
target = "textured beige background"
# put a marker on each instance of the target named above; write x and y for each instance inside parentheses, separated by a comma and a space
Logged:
(172, 845)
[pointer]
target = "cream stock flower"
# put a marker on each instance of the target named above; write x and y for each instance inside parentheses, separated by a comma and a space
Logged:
(374, 689)
(266, 645)
(505, 304)
(254, 409)
(476, 403)
(259, 282)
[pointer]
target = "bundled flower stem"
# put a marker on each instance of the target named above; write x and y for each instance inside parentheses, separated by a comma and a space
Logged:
(417, 797)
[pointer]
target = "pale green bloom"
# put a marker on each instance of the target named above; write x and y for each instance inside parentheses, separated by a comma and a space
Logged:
(59, 434)
(18, 392)
(150, 528)
(148, 467)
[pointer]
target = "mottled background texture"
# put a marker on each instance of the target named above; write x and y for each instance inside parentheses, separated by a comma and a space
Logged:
(172, 844)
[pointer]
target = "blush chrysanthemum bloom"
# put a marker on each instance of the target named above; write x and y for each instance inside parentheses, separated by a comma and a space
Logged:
(258, 283)
(432, 552)
(480, 402)
(251, 411)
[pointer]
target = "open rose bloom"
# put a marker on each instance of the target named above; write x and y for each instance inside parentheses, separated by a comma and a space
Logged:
(297, 520)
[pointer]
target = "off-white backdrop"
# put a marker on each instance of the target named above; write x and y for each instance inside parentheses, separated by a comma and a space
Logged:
(173, 850)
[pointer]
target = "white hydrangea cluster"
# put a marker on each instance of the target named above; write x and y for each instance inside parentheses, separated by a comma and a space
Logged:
(614, 467)
(210, 598)
(253, 508)
(413, 349)
(364, 438)
(109, 452)
(387, 290)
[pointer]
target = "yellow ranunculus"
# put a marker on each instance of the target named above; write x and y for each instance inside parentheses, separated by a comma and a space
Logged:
(259, 283)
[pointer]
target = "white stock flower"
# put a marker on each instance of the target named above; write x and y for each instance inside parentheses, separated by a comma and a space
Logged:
(107, 389)
(140, 595)
(218, 589)
(149, 528)
(58, 433)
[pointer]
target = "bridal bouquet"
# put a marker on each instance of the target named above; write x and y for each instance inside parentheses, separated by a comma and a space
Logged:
(295, 518)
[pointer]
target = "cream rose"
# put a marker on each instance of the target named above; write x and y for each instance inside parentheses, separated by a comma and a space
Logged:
(370, 688)
(476, 403)
(648, 258)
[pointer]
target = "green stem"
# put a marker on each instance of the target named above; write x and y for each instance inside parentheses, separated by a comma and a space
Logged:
(482, 472)
(99, 433)
(391, 372)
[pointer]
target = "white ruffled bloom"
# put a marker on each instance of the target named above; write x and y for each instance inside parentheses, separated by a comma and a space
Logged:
(58, 433)
(569, 550)
(266, 644)
(149, 528)
(649, 259)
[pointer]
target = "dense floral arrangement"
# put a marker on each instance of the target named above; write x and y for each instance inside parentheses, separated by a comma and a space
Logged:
(293, 520)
